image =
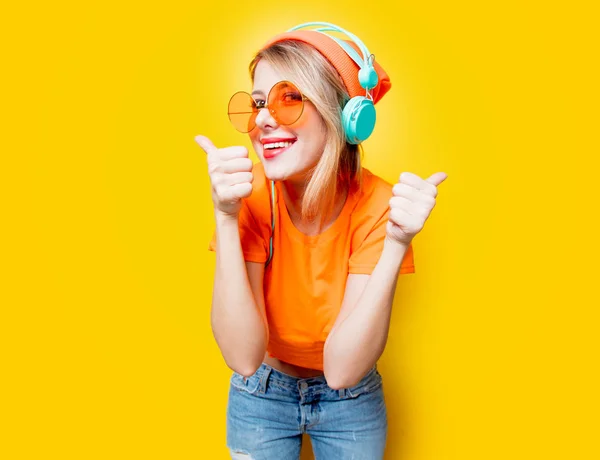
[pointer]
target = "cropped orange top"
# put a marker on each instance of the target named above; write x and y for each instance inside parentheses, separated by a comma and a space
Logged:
(305, 280)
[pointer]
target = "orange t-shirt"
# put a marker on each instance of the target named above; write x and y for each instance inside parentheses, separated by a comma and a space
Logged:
(305, 281)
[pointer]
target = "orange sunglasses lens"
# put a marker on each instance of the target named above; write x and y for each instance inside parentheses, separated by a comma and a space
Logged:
(286, 103)
(242, 112)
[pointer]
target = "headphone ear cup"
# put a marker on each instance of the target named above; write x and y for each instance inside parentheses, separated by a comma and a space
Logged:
(358, 119)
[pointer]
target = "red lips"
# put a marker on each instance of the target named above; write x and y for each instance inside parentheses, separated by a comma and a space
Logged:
(270, 153)
(270, 140)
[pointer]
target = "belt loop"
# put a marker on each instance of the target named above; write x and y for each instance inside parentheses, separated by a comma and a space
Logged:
(342, 392)
(264, 378)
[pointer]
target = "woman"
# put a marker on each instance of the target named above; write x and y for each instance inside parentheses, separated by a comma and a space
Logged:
(309, 246)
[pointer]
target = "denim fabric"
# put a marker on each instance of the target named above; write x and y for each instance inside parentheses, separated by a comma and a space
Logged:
(268, 412)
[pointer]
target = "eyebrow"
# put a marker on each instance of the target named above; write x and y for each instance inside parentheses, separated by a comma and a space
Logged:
(258, 92)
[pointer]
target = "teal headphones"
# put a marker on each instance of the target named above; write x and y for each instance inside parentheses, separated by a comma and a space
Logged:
(358, 115)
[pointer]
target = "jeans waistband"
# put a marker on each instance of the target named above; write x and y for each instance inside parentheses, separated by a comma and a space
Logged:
(266, 373)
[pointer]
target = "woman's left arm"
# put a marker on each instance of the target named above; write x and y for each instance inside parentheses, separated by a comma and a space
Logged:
(360, 332)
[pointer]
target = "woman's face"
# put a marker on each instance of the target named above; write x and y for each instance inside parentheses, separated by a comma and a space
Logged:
(307, 134)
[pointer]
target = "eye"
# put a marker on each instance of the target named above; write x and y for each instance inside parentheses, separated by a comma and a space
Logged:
(292, 96)
(258, 104)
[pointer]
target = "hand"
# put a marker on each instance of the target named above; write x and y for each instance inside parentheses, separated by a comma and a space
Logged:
(411, 205)
(230, 171)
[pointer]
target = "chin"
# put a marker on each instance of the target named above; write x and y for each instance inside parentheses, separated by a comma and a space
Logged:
(288, 175)
(275, 174)
(284, 168)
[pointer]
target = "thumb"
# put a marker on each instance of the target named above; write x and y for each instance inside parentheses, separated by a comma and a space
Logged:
(437, 178)
(206, 144)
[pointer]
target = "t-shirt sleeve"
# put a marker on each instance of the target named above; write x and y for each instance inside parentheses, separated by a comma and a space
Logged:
(364, 259)
(254, 247)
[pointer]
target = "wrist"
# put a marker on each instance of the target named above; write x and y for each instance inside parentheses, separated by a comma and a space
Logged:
(226, 219)
(395, 249)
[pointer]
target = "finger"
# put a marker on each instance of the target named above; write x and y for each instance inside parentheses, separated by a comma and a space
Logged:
(400, 202)
(437, 178)
(229, 153)
(235, 192)
(420, 209)
(416, 197)
(238, 178)
(408, 223)
(405, 190)
(206, 144)
(400, 217)
(242, 190)
(418, 183)
(237, 165)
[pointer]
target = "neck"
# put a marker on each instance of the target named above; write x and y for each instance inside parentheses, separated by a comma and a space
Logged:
(293, 193)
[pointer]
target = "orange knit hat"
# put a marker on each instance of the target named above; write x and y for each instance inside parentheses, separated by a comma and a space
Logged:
(337, 56)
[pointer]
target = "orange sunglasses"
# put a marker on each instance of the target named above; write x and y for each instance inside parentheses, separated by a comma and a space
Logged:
(285, 103)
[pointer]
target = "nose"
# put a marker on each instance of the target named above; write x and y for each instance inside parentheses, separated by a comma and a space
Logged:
(265, 120)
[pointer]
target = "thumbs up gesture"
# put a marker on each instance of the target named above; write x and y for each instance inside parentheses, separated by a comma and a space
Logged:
(230, 171)
(411, 204)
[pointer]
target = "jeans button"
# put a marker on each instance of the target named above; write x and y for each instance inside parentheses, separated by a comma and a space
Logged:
(304, 385)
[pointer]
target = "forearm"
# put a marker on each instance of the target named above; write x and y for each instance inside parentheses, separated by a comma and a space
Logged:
(238, 322)
(357, 343)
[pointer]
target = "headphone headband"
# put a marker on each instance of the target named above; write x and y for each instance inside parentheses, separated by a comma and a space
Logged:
(367, 74)
(326, 26)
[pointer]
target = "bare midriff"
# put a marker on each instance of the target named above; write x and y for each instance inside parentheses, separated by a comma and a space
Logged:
(291, 369)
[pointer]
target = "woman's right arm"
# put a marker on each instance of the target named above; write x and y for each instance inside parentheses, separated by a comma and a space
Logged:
(238, 317)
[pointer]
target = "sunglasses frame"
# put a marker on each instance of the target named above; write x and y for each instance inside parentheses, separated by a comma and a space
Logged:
(265, 105)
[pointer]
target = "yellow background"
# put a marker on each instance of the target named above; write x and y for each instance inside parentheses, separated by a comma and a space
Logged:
(106, 346)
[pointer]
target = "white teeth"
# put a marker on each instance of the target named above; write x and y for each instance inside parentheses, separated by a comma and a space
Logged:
(277, 145)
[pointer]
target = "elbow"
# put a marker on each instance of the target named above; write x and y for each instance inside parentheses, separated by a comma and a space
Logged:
(337, 378)
(246, 362)
(243, 358)
(246, 369)
(340, 373)
(335, 381)
(334, 384)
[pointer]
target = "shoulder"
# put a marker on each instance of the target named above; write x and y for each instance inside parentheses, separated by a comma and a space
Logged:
(369, 220)
(374, 195)
(258, 203)
(260, 189)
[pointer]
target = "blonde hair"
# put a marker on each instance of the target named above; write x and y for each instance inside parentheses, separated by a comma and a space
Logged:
(339, 167)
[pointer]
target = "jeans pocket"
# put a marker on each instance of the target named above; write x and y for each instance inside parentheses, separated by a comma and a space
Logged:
(247, 384)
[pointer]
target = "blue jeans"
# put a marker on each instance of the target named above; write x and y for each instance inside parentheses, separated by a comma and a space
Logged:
(268, 412)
